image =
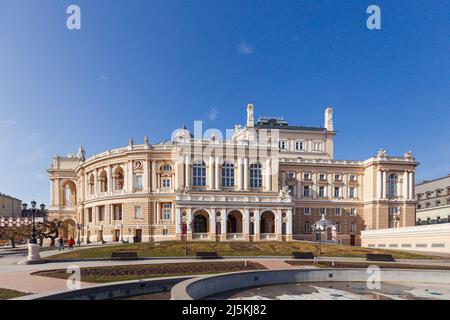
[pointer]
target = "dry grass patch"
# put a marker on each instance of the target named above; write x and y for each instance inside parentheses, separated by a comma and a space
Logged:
(269, 248)
(133, 272)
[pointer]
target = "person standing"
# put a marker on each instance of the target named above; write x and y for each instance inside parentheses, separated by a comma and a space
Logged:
(71, 242)
(61, 244)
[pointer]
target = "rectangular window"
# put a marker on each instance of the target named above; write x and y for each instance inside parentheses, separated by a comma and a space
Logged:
(307, 227)
(138, 185)
(101, 213)
(322, 192)
(282, 144)
(306, 176)
(323, 211)
(353, 212)
(166, 183)
(338, 211)
(317, 146)
(352, 177)
(306, 211)
(337, 192)
(322, 177)
(117, 211)
(299, 145)
(165, 232)
(337, 177)
(306, 191)
(290, 175)
(228, 174)
(351, 192)
(137, 212)
(167, 210)
(353, 227)
(338, 226)
(90, 215)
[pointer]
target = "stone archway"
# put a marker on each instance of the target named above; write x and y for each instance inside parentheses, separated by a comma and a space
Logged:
(267, 222)
(234, 222)
(200, 223)
(68, 230)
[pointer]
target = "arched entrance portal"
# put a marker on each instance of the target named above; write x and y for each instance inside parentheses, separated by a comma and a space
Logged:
(68, 230)
(234, 222)
(267, 222)
(200, 225)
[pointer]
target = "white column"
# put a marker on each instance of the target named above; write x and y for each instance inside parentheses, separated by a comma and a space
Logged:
(109, 176)
(187, 171)
(223, 222)
(153, 174)
(268, 183)
(97, 215)
(145, 177)
(411, 185)
(239, 173)
(95, 183)
(245, 169)
(212, 221)
(289, 222)
(383, 183)
(111, 213)
(211, 173)
(278, 223)
(130, 176)
(217, 174)
(177, 174)
(405, 185)
(315, 190)
(178, 220)
(257, 223)
(379, 184)
(245, 222)
(345, 187)
(189, 220)
(158, 212)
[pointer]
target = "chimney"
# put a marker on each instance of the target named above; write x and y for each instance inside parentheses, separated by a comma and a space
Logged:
(250, 118)
(329, 119)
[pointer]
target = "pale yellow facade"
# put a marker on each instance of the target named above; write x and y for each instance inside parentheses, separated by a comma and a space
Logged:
(268, 181)
(10, 206)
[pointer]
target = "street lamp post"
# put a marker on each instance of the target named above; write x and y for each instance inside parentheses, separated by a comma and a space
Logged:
(33, 246)
(188, 227)
(79, 227)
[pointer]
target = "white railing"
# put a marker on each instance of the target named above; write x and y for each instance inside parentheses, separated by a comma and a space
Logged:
(267, 236)
(235, 236)
(200, 236)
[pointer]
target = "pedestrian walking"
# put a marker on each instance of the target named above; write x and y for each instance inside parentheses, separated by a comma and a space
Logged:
(61, 244)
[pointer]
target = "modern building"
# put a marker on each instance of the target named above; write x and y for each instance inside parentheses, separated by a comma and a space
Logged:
(267, 180)
(10, 206)
(433, 201)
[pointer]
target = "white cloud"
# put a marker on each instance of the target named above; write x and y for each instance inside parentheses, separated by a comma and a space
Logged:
(103, 77)
(7, 123)
(245, 48)
(212, 114)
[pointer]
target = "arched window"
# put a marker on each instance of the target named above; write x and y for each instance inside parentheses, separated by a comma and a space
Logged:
(91, 184)
(227, 174)
(392, 186)
(118, 179)
(255, 176)
(103, 181)
(67, 196)
(199, 174)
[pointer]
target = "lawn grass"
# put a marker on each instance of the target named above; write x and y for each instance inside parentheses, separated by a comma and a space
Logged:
(134, 272)
(238, 248)
(6, 294)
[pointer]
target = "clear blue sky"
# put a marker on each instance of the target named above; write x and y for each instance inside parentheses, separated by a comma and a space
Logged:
(141, 68)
